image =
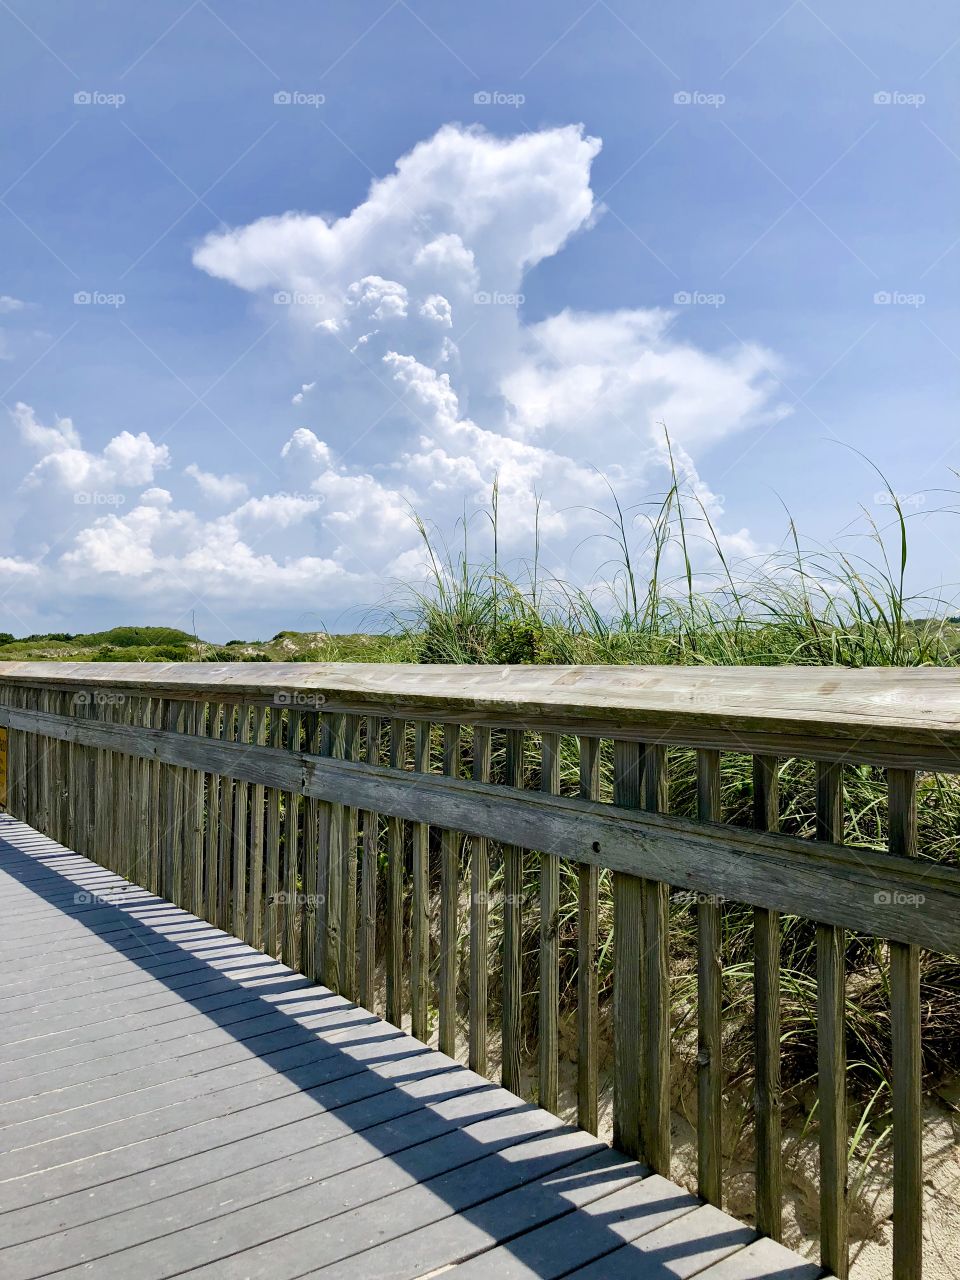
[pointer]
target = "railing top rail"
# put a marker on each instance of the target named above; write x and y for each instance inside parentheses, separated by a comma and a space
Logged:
(902, 716)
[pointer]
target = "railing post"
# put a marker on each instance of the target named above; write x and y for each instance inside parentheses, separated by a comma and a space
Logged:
(907, 1063)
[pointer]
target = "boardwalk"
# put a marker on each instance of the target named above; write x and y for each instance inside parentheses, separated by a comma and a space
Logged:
(175, 1103)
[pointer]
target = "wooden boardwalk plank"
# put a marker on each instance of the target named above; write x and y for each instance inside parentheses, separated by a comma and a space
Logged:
(173, 1101)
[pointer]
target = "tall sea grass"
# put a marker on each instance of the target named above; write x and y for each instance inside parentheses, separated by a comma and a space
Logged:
(669, 592)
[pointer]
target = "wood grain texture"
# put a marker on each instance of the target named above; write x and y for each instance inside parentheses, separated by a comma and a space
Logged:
(831, 1048)
(588, 1013)
(628, 950)
(907, 1060)
(549, 999)
(420, 902)
(768, 1105)
(257, 828)
(310, 850)
(228, 720)
(330, 846)
(349, 818)
(784, 873)
(272, 909)
(398, 752)
(655, 1108)
(479, 916)
(908, 717)
(291, 849)
(241, 818)
(368, 881)
(709, 1024)
(512, 928)
(296, 1129)
(449, 891)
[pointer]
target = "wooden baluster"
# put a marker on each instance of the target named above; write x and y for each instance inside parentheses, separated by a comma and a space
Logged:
(368, 882)
(766, 984)
(348, 935)
(157, 719)
(449, 889)
(291, 852)
(549, 1088)
(309, 955)
(211, 835)
(709, 1070)
(225, 826)
(512, 906)
(144, 806)
(241, 795)
(831, 1047)
(587, 956)
(328, 877)
(420, 902)
(398, 754)
(628, 949)
(173, 828)
(655, 1109)
(272, 909)
(479, 915)
(332, 745)
(257, 798)
(193, 822)
(907, 1061)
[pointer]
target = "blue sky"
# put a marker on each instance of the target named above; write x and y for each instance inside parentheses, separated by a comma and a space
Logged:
(684, 214)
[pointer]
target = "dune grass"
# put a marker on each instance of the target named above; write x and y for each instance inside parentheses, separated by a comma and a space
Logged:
(669, 593)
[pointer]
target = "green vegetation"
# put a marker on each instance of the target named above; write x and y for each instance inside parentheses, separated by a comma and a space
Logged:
(674, 595)
(167, 644)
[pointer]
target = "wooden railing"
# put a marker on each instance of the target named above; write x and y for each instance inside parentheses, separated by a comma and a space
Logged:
(293, 805)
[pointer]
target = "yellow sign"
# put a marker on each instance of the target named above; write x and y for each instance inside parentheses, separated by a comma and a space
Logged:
(3, 768)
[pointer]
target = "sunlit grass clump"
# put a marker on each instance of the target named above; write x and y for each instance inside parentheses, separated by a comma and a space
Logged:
(669, 593)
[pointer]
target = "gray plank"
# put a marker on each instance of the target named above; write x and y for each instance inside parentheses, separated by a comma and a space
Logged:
(172, 1101)
(684, 1247)
(602, 1224)
(763, 1260)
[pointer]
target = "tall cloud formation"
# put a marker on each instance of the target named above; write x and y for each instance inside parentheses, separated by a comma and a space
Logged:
(412, 304)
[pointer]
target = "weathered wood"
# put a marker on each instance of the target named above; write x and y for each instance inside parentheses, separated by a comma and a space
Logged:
(655, 1108)
(194, 818)
(173, 830)
(907, 1061)
(272, 910)
(348, 905)
(766, 982)
(398, 751)
(628, 948)
(309, 956)
(588, 1013)
(330, 843)
(479, 916)
(241, 793)
(709, 1025)
(368, 881)
(155, 724)
(247, 1133)
(549, 1041)
(831, 1049)
(449, 889)
(420, 902)
(512, 928)
(257, 817)
(228, 720)
(291, 850)
(779, 872)
(907, 717)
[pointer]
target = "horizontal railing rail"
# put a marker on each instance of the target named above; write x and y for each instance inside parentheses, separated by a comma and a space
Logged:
(294, 804)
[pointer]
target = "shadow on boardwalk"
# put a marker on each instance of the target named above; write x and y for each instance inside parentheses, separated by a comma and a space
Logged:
(174, 1102)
